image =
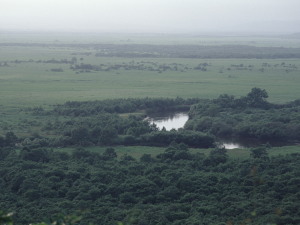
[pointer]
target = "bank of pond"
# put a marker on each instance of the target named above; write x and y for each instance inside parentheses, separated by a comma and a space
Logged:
(199, 123)
(229, 122)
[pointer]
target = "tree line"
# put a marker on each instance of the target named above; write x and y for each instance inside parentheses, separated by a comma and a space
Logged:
(247, 117)
(174, 187)
(175, 51)
(122, 122)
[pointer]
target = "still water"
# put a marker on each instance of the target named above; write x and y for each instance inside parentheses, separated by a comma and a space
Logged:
(169, 121)
(231, 145)
(178, 120)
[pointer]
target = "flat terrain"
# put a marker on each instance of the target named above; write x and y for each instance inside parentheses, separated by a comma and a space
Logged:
(35, 84)
(36, 69)
(138, 151)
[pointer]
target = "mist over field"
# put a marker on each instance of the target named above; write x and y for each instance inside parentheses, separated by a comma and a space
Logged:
(156, 16)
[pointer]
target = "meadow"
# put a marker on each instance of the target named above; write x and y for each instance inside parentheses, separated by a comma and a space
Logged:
(138, 151)
(29, 78)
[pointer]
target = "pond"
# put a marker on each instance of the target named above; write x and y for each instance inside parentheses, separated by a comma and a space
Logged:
(178, 119)
(169, 121)
(231, 145)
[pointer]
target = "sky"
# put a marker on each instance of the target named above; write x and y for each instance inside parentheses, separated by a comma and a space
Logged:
(151, 16)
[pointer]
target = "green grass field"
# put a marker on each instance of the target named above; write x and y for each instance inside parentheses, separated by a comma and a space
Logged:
(138, 151)
(34, 84)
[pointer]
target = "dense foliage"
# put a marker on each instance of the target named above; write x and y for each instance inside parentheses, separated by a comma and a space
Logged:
(249, 117)
(89, 108)
(176, 187)
(122, 122)
(114, 122)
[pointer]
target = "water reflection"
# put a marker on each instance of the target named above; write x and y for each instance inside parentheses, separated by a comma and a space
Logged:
(178, 120)
(173, 121)
(231, 145)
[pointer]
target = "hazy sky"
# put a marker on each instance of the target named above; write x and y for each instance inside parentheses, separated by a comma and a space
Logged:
(151, 15)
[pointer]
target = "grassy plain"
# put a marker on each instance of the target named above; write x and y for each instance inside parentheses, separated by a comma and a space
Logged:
(32, 84)
(138, 151)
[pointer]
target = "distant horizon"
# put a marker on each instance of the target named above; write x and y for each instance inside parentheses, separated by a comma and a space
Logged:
(190, 33)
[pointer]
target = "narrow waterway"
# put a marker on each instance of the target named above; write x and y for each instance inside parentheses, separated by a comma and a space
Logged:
(177, 120)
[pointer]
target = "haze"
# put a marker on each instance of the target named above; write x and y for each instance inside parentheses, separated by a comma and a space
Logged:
(151, 16)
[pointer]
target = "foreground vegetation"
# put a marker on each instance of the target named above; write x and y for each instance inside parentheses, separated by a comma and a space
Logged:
(178, 187)
(250, 117)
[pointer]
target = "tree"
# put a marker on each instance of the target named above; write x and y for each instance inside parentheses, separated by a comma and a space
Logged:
(35, 155)
(108, 134)
(81, 153)
(5, 218)
(110, 153)
(146, 158)
(226, 101)
(257, 98)
(259, 153)
(10, 139)
(73, 60)
(80, 135)
(217, 156)
(4, 152)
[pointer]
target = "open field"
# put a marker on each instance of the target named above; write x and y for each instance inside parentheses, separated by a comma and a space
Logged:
(138, 151)
(29, 78)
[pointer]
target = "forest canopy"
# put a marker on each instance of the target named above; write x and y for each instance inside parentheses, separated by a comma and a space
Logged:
(177, 186)
(39, 179)
(122, 122)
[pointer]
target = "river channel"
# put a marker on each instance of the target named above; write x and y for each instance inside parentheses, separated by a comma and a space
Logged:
(177, 120)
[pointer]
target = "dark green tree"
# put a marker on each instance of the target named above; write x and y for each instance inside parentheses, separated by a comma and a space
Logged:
(217, 156)
(5, 218)
(259, 153)
(110, 153)
(80, 135)
(10, 139)
(257, 98)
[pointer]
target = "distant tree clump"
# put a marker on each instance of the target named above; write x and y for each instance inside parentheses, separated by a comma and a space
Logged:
(248, 117)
